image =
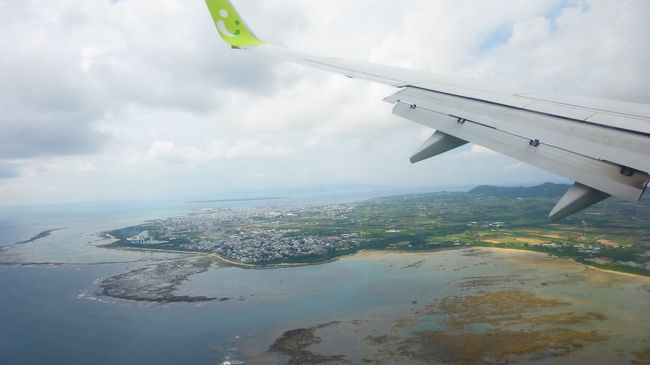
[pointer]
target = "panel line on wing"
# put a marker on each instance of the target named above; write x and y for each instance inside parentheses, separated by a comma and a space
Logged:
(524, 108)
(491, 127)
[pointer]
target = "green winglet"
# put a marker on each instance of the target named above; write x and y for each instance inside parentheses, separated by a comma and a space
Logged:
(230, 25)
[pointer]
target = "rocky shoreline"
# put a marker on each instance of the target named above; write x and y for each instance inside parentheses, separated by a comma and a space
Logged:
(294, 343)
(158, 282)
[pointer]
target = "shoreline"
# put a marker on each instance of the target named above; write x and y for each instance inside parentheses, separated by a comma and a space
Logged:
(224, 259)
(159, 250)
(107, 236)
(243, 265)
(588, 266)
(645, 277)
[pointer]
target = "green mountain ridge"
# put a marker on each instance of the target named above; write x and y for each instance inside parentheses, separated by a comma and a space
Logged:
(547, 190)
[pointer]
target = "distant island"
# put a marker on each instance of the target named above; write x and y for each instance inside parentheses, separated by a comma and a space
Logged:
(613, 235)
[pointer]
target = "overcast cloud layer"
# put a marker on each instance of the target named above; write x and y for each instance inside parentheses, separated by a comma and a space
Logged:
(140, 99)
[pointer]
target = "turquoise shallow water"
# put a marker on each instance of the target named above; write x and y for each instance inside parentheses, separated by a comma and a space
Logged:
(50, 313)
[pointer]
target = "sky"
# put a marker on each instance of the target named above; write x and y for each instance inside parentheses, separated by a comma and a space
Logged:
(138, 99)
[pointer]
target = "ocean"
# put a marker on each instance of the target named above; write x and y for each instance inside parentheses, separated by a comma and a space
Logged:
(372, 307)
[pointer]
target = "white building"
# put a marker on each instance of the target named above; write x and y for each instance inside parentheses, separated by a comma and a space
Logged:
(140, 238)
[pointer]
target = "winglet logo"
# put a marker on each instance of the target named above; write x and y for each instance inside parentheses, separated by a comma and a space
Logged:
(221, 26)
(230, 25)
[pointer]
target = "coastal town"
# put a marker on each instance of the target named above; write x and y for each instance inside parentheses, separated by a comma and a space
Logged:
(248, 236)
(614, 237)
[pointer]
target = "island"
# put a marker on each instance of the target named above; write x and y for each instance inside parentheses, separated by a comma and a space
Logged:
(612, 235)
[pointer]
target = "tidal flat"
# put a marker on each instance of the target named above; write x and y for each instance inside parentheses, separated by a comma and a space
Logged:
(521, 307)
(459, 306)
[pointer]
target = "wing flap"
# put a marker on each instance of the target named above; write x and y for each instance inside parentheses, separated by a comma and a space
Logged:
(437, 144)
(575, 199)
(593, 103)
(474, 90)
(617, 146)
(620, 121)
(601, 175)
(623, 115)
(565, 111)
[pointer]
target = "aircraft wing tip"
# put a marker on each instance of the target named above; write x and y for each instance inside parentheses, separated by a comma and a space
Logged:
(230, 25)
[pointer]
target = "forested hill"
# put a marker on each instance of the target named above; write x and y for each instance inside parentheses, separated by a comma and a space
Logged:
(547, 190)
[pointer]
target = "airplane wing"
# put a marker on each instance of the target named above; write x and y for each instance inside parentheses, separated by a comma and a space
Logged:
(603, 145)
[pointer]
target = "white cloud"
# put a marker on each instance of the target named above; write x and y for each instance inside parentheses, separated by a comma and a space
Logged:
(529, 32)
(121, 88)
(86, 167)
(475, 151)
(517, 166)
(169, 152)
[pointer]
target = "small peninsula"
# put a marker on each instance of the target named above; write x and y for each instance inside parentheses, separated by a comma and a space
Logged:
(38, 236)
